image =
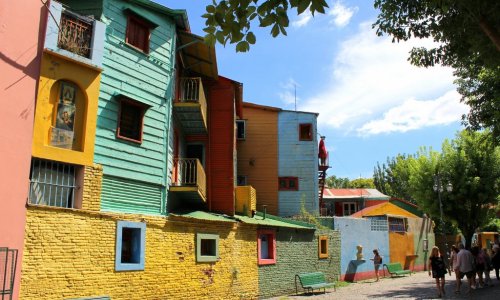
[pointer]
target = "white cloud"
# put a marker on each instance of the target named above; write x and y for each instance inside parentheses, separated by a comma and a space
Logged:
(303, 19)
(288, 94)
(413, 114)
(371, 75)
(341, 14)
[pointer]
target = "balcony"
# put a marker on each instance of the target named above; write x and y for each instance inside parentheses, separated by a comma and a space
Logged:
(74, 36)
(246, 200)
(189, 182)
(191, 106)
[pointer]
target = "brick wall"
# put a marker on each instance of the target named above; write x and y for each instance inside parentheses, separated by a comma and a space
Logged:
(92, 183)
(297, 252)
(71, 253)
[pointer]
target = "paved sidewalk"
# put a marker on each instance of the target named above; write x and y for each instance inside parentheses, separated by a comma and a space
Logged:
(416, 286)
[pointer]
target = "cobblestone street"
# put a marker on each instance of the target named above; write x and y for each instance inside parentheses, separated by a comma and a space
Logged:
(416, 286)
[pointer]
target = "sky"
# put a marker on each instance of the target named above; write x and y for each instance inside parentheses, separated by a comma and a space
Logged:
(372, 103)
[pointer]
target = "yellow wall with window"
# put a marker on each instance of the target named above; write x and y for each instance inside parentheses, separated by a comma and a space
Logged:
(71, 254)
(66, 111)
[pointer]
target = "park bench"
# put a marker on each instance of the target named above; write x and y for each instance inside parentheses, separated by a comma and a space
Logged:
(313, 281)
(395, 269)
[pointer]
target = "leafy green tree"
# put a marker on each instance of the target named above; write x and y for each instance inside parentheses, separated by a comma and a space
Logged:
(471, 164)
(362, 183)
(468, 40)
(392, 178)
(337, 182)
(231, 20)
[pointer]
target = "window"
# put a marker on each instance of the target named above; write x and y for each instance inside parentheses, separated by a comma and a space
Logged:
(266, 246)
(52, 183)
(349, 208)
(130, 120)
(138, 33)
(323, 246)
(207, 247)
(378, 224)
(288, 184)
(240, 129)
(130, 246)
(397, 225)
(241, 180)
(305, 132)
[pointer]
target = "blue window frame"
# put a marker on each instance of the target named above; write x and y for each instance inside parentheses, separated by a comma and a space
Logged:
(130, 246)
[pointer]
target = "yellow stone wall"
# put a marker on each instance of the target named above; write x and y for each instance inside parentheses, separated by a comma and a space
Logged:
(92, 185)
(71, 253)
(55, 69)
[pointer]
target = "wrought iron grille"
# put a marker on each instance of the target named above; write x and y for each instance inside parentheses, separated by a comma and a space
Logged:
(8, 263)
(75, 34)
(52, 183)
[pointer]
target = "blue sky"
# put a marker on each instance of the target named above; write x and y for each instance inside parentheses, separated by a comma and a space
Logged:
(372, 103)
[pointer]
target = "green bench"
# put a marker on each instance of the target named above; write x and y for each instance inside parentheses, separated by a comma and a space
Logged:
(395, 269)
(312, 281)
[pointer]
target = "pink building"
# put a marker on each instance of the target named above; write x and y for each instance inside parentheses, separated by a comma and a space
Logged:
(22, 24)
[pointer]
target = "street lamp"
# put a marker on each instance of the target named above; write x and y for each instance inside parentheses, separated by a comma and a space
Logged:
(439, 188)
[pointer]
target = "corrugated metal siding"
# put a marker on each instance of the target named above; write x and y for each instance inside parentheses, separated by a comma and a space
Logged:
(221, 140)
(297, 159)
(124, 195)
(258, 156)
(145, 78)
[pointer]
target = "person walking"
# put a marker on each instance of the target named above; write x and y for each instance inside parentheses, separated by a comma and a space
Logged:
(465, 264)
(377, 261)
(495, 259)
(454, 267)
(480, 265)
(487, 268)
(438, 269)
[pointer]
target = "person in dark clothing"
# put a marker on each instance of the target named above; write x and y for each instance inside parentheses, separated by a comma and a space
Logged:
(495, 259)
(437, 268)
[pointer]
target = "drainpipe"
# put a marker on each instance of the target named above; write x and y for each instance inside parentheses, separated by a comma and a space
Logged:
(264, 207)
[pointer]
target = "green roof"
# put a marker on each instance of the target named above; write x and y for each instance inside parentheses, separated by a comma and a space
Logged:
(202, 215)
(270, 220)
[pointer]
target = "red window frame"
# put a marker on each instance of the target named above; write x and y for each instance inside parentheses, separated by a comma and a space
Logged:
(271, 246)
(130, 106)
(289, 184)
(138, 33)
(305, 132)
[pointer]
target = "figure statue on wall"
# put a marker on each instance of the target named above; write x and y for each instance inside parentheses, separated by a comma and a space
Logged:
(359, 255)
(322, 154)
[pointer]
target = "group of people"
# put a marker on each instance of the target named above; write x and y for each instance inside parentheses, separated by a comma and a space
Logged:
(472, 263)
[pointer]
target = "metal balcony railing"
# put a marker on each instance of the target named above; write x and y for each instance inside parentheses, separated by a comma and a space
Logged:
(75, 33)
(190, 172)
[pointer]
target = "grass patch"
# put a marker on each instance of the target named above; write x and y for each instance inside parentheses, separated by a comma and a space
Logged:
(341, 284)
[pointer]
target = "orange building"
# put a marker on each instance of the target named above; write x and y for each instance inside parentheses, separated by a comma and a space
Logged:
(257, 133)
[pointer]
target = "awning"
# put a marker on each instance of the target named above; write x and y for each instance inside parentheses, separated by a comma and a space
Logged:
(197, 55)
(202, 215)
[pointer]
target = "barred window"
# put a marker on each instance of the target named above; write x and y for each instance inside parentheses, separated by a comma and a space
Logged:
(52, 183)
(397, 225)
(378, 224)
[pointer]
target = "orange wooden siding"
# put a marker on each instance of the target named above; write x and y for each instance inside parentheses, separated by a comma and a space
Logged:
(401, 247)
(258, 154)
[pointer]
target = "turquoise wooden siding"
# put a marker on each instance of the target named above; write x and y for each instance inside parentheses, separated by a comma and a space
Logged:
(146, 78)
(297, 159)
(119, 194)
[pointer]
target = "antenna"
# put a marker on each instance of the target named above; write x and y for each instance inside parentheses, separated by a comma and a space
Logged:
(295, 93)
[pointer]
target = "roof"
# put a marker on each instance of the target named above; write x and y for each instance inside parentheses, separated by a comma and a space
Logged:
(383, 209)
(259, 106)
(179, 15)
(257, 219)
(370, 194)
(197, 55)
(270, 220)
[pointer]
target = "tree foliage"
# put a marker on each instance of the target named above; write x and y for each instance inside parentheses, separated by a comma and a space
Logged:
(344, 183)
(467, 34)
(231, 20)
(393, 177)
(471, 164)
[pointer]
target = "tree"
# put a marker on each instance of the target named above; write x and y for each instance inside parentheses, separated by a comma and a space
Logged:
(393, 179)
(471, 163)
(362, 183)
(231, 20)
(337, 182)
(468, 40)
